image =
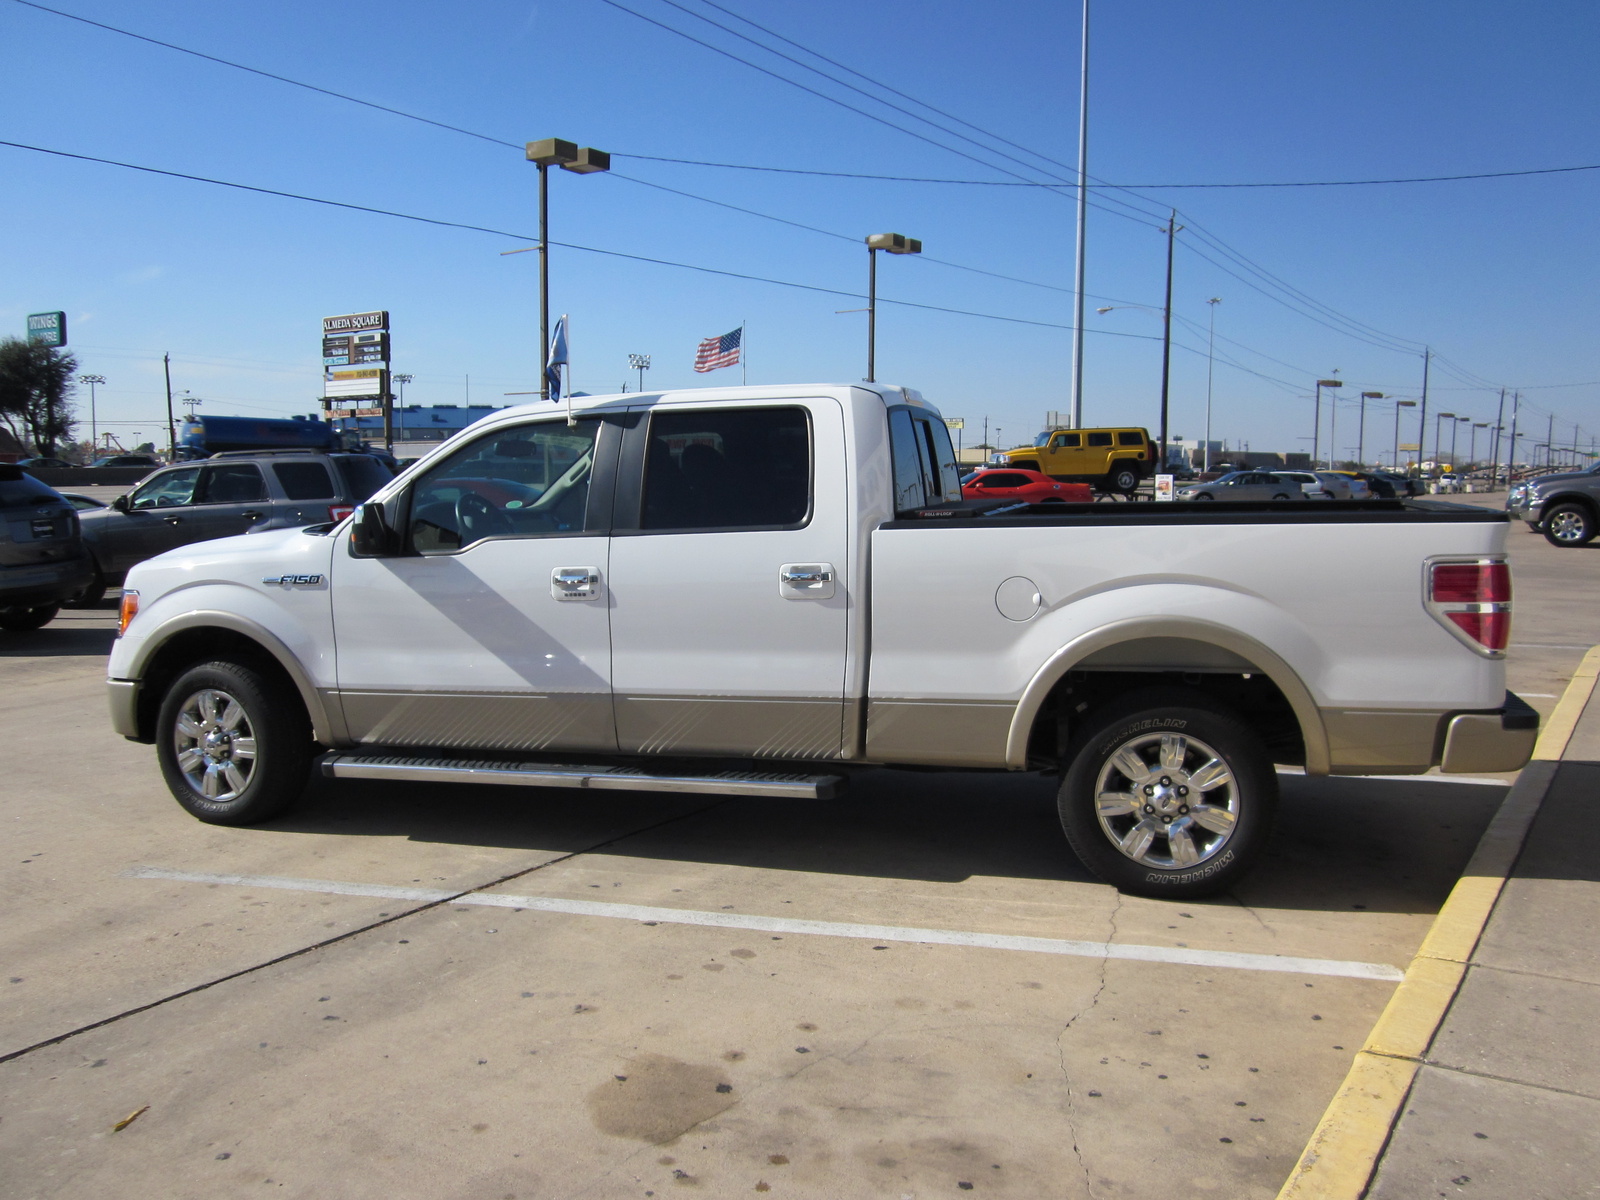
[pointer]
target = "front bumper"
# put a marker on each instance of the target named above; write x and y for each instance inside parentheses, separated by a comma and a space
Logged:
(123, 695)
(1491, 742)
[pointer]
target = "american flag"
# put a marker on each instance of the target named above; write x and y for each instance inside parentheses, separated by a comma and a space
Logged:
(717, 352)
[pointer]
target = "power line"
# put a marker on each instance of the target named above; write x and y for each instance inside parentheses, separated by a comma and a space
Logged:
(523, 237)
(310, 87)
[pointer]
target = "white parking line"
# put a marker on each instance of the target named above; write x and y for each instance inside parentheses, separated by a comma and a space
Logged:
(1177, 955)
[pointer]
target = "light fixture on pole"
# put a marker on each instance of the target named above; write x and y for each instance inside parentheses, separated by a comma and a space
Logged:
(894, 243)
(92, 380)
(641, 364)
(568, 156)
(1211, 343)
(1361, 429)
(400, 382)
(1455, 464)
(1472, 454)
(193, 402)
(1398, 405)
(1316, 432)
(1438, 442)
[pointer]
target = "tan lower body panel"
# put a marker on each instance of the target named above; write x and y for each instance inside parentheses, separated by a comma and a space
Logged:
(1381, 742)
(480, 721)
(944, 733)
(745, 726)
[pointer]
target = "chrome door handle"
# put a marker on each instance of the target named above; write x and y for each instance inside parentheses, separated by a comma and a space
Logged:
(172, 520)
(575, 583)
(807, 576)
(575, 578)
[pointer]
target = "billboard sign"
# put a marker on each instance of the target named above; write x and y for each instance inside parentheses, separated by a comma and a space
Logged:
(356, 322)
(349, 349)
(356, 383)
(48, 328)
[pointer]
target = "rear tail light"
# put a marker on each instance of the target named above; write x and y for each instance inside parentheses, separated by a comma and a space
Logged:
(130, 609)
(1473, 601)
(338, 512)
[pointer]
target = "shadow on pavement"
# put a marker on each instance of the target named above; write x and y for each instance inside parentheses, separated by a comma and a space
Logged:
(1342, 844)
(60, 639)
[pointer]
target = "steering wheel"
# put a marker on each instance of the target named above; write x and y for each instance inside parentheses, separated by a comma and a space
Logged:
(477, 518)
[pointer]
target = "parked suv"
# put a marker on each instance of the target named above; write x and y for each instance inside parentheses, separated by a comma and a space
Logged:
(42, 561)
(1108, 460)
(1565, 508)
(226, 494)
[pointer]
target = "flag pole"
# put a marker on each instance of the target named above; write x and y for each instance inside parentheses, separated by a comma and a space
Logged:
(744, 357)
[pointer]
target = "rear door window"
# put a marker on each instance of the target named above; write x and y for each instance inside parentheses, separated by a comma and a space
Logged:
(730, 468)
(1130, 437)
(306, 480)
(363, 475)
(232, 483)
(1099, 439)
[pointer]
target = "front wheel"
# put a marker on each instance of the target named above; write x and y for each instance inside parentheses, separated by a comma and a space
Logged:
(234, 743)
(22, 620)
(1165, 796)
(1568, 525)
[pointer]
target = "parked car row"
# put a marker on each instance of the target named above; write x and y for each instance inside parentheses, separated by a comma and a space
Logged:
(1280, 486)
(65, 549)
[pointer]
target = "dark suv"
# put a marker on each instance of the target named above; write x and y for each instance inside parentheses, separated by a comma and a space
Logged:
(226, 494)
(42, 560)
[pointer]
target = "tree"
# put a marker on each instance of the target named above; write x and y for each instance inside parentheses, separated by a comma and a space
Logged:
(36, 387)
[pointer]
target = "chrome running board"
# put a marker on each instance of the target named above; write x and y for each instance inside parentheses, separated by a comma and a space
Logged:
(342, 765)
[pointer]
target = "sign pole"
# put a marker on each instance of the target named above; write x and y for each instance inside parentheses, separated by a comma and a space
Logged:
(172, 433)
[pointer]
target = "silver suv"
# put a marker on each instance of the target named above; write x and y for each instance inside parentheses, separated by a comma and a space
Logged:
(226, 494)
(1565, 508)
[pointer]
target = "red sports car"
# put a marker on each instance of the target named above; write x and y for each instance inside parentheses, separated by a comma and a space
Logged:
(1028, 487)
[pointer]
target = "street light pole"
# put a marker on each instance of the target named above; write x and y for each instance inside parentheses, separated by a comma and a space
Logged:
(92, 380)
(1472, 455)
(641, 364)
(1316, 416)
(1398, 405)
(580, 161)
(1211, 347)
(894, 243)
(1438, 438)
(1083, 218)
(400, 382)
(1166, 337)
(1361, 429)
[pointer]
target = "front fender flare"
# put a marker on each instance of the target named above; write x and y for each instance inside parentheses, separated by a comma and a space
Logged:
(1266, 661)
(327, 724)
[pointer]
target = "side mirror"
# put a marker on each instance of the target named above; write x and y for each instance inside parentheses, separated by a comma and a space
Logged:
(122, 504)
(371, 535)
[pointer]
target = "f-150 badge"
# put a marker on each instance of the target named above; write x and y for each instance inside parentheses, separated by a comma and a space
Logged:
(293, 580)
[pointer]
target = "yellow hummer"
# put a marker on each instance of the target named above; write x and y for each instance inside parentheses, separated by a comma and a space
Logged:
(1109, 460)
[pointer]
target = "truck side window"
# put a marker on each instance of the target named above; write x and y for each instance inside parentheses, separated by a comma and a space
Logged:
(728, 468)
(305, 480)
(939, 460)
(1099, 439)
(522, 481)
(1071, 441)
(1130, 437)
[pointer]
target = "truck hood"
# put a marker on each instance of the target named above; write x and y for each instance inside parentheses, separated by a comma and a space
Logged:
(244, 559)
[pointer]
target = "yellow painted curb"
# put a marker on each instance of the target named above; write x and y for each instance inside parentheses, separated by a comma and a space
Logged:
(1338, 1161)
(1557, 732)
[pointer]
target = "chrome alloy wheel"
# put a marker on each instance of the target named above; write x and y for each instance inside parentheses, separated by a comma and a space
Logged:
(1566, 525)
(216, 747)
(1166, 801)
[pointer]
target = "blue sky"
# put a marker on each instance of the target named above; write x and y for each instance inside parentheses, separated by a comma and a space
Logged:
(1497, 275)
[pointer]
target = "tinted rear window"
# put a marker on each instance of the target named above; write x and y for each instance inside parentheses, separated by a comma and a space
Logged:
(363, 475)
(1130, 438)
(18, 488)
(1099, 439)
(305, 480)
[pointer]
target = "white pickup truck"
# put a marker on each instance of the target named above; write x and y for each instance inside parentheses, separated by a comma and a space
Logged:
(760, 591)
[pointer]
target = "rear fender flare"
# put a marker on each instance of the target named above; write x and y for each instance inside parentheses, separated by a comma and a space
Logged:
(1266, 661)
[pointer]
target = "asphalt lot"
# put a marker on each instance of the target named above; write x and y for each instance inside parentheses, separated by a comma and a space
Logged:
(422, 990)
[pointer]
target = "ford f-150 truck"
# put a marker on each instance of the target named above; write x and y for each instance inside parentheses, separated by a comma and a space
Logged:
(760, 591)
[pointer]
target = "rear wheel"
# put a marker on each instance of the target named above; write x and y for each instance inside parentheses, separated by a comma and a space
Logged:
(21, 620)
(1202, 496)
(1123, 479)
(234, 743)
(1568, 525)
(91, 596)
(1280, 496)
(1165, 795)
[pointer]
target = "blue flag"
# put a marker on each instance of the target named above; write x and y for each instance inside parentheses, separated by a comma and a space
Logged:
(557, 358)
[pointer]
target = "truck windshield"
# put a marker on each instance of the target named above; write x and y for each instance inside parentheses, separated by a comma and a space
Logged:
(1042, 438)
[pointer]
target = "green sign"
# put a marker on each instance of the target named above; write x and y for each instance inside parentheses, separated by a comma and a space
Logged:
(49, 328)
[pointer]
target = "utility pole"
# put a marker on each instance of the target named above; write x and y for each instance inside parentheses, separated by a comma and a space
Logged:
(172, 431)
(1166, 338)
(1083, 221)
(1494, 443)
(1511, 455)
(1550, 443)
(1211, 356)
(1422, 429)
